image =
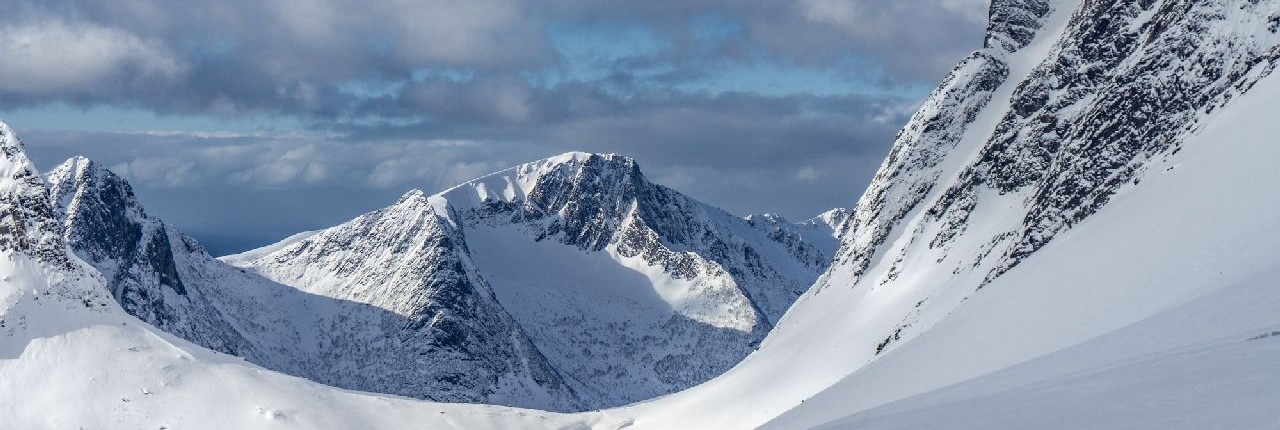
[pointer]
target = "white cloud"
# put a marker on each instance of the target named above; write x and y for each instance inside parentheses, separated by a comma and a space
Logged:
(467, 32)
(166, 172)
(289, 163)
(877, 17)
(56, 57)
(808, 173)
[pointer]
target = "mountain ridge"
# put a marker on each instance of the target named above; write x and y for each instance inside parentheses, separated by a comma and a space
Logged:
(673, 273)
(707, 282)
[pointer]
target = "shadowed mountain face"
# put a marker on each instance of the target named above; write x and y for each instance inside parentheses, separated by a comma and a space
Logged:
(459, 346)
(548, 285)
(629, 289)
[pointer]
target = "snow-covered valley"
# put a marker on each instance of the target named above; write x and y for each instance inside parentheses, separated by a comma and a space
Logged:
(1077, 229)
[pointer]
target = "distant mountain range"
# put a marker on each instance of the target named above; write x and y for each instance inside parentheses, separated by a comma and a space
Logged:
(547, 285)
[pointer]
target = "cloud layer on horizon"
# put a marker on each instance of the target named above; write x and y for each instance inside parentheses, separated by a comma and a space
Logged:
(784, 106)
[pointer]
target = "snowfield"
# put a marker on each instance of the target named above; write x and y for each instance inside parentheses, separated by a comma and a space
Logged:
(1079, 229)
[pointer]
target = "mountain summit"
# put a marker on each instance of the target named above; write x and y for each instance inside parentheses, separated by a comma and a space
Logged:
(629, 289)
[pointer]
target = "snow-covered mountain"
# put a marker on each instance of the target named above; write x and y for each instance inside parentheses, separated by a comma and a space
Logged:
(71, 357)
(152, 269)
(1090, 188)
(460, 346)
(629, 289)
(1077, 230)
(552, 299)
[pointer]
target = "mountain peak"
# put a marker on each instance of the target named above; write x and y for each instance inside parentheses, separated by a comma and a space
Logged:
(550, 181)
(80, 177)
(15, 157)
(834, 219)
(582, 156)
(411, 196)
(78, 168)
(581, 164)
(21, 192)
(7, 137)
(29, 227)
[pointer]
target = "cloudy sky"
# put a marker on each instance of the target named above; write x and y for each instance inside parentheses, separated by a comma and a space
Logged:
(242, 121)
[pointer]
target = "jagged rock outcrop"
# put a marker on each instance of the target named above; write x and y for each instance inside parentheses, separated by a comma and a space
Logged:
(914, 166)
(1024, 140)
(141, 257)
(40, 277)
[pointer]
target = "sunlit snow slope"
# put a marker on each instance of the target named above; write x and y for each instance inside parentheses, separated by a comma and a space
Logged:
(1091, 190)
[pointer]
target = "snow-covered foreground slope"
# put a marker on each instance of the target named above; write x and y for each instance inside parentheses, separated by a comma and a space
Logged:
(1156, 313)
(626, 289)
(111, 372)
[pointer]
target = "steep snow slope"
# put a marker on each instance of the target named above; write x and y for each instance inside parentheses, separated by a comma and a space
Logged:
(166, 279)
(70, 357)
(1133, 316)
(1073, 106)
(256, 253)
(628, 288)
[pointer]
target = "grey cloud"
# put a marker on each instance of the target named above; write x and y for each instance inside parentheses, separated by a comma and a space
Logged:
(180, 161)
(476, 110)
(745, 153)
(916, 40)
(249, 57)
(59, 59)
(291, 57)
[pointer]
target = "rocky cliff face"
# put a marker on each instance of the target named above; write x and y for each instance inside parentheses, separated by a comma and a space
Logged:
(140, 256)
(448, 343)
(27, 223)
(915, 166)
(628, 289)
(442, 335)
(42, 280)
(1023, 140)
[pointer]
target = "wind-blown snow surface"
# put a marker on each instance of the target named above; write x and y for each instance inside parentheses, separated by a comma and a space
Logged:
(627, 289)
